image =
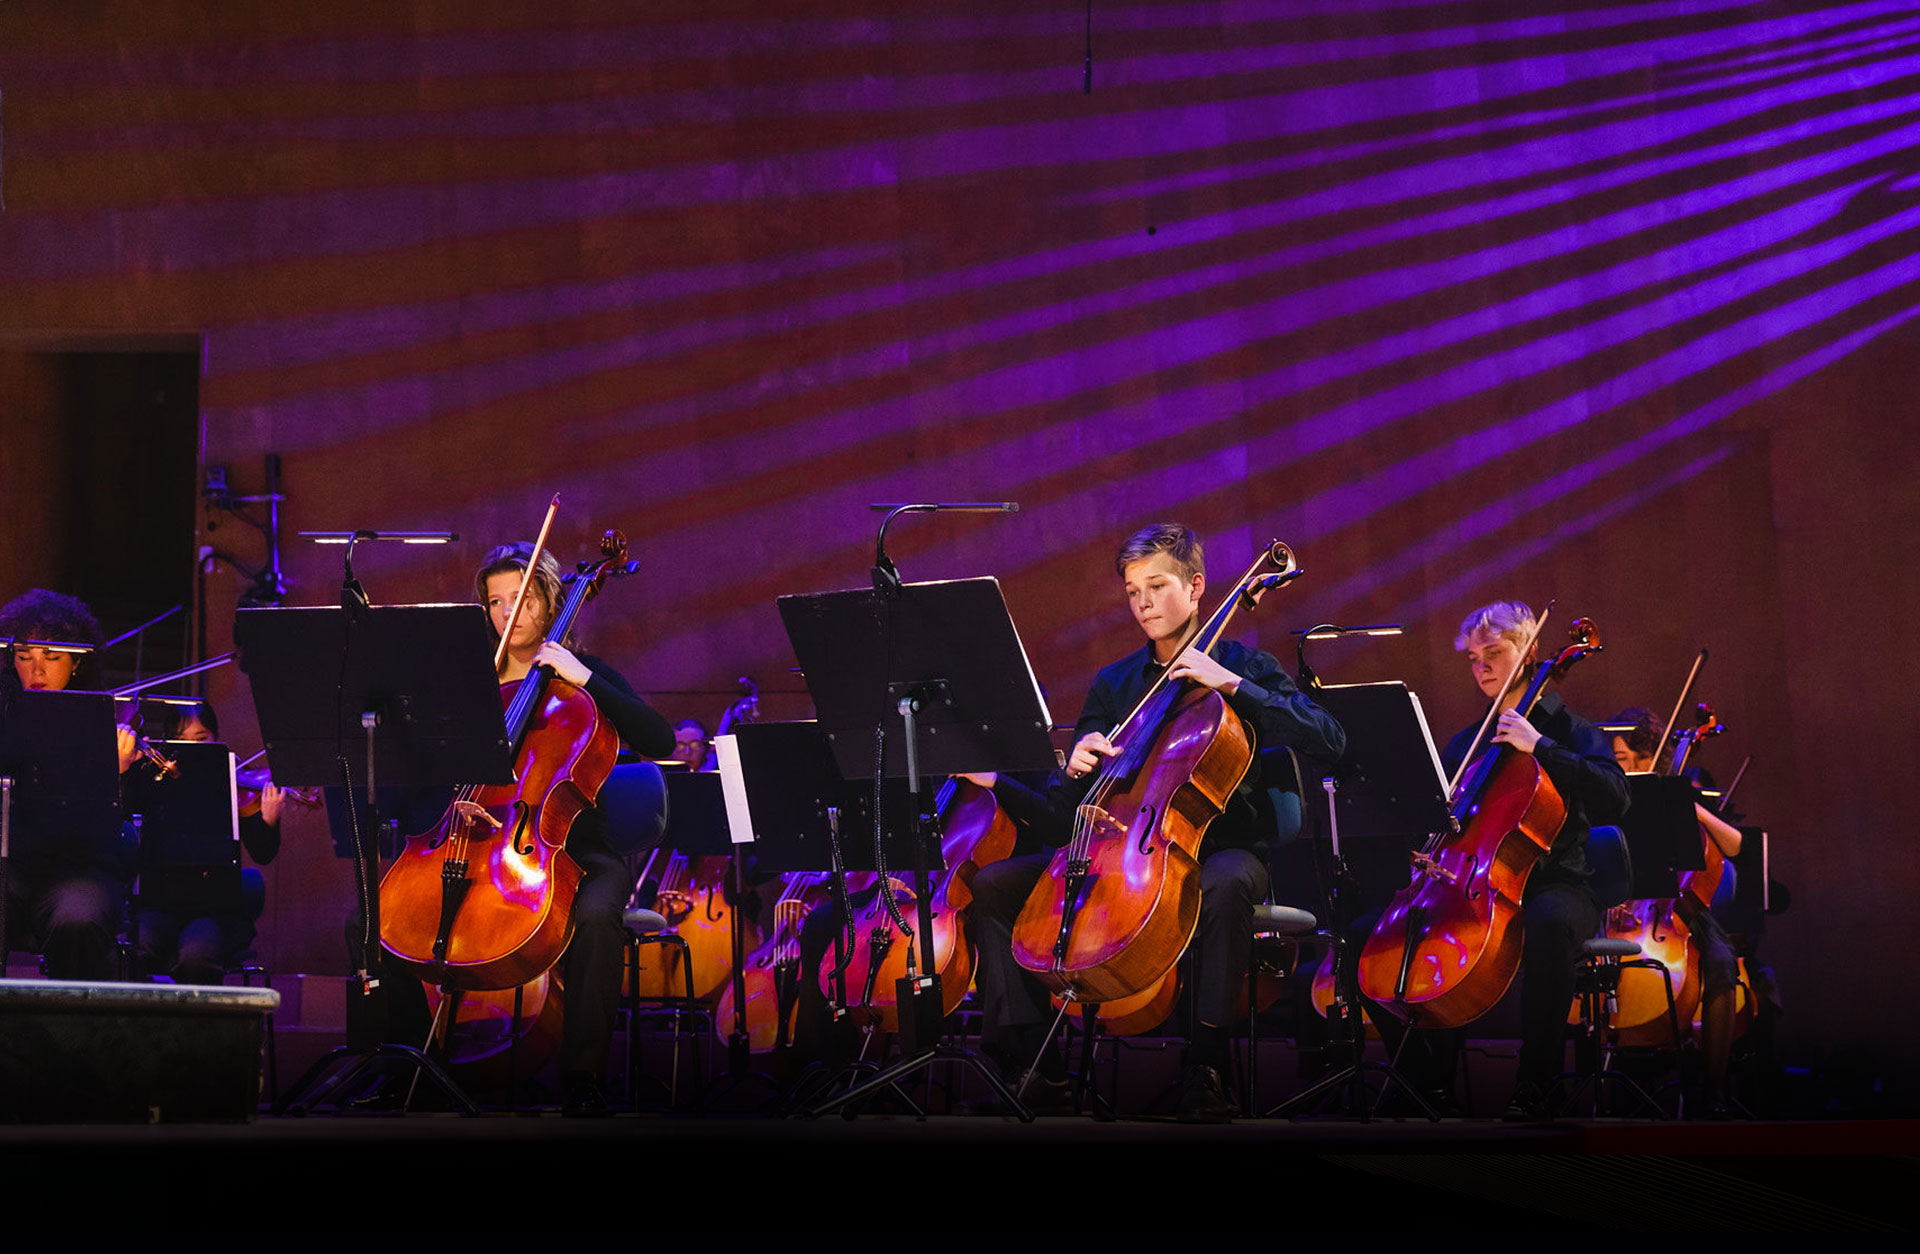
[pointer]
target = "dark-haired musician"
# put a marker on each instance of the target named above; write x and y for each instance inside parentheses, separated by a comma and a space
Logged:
(69, 894)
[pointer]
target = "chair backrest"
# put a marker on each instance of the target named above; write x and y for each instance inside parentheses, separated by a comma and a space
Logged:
(1611, 864)
(634, 800)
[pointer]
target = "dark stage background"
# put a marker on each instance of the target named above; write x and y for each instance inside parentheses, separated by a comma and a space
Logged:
(1608, 302)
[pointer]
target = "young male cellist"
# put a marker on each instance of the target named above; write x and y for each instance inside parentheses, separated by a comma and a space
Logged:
(1163, 576)
(1558, 909)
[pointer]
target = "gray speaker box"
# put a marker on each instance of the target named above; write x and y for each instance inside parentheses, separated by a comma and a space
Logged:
(77, 1052)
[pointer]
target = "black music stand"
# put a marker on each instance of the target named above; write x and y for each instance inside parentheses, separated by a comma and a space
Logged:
(1388, 786)
(784, 798)
(416, 687)
(944, 659)
(59, 777)
(1662, 834)
(189, 826)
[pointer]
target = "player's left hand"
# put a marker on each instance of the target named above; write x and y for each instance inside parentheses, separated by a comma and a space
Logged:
(1203, 670)
(563, 662)
(1515, 730)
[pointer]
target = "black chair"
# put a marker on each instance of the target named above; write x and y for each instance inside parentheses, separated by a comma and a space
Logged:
(634, 800)
(1597, 983)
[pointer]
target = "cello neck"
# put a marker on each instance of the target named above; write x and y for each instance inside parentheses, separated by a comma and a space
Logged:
(534, 687)
(1274, 566)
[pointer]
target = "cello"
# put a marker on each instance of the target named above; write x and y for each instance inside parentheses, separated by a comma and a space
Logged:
(697, 897)
(1119, 902)
(1448, 945)
(975, 831)
(512, 920)
(1664, 927)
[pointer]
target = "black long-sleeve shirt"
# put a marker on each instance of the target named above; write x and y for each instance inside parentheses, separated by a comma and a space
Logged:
(643, 728)
(1279, 714)
(1579, 761)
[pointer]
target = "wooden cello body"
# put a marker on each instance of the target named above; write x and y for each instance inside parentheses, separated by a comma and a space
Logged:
(1663, 927)
(1119, 902)
(772, 975)
(1448, 945)
(975, 832)
(691, 894)
(485, 899)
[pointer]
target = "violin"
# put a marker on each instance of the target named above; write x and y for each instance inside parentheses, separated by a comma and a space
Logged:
(249, 784)
(1448, 945)
(485, 899)
(1119, 902)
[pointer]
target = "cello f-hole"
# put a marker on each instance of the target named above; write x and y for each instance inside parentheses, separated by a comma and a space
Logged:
(1146, 832)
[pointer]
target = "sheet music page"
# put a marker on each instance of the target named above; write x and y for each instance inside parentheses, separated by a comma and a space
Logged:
(1426, 734)
(733, 788)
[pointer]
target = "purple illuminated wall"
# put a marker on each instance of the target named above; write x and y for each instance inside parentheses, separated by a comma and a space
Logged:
(1605, 302)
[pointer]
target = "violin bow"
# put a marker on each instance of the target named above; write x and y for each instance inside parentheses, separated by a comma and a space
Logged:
(1679, 705)
(526, 579)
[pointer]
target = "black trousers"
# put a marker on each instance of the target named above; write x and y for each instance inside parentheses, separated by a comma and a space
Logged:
(73, 916)
(1232, 883)
(590, 970)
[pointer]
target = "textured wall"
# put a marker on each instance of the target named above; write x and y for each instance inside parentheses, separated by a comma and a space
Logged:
(1604, 302)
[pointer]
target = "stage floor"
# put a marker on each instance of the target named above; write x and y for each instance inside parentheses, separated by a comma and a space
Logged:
(952, 1174)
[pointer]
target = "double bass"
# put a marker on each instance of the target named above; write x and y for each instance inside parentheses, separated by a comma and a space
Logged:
(1119, 902)
(1448, 945)
(485, 899)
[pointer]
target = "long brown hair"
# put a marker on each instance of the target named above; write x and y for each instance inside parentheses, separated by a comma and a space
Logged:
(512, 559)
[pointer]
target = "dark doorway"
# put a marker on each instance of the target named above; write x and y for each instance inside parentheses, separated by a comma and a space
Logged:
(102, 479)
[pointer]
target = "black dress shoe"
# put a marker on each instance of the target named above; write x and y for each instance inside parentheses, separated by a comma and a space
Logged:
(1045, 1096)
(1527, 1105)
(581, 1097)
(1203, 1098)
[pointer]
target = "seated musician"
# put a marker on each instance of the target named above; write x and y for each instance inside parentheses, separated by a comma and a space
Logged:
(1719, 964)
(70, 895)
(1162, 577)
(1559, 912)
(590, 970)
(192, 927)
(690, 742)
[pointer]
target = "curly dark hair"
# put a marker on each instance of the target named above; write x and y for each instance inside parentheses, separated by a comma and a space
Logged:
(1647, 728)
(42, 614)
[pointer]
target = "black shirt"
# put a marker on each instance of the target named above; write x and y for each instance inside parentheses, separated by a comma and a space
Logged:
(1579, 761)
(643, 728)
(1277, 712)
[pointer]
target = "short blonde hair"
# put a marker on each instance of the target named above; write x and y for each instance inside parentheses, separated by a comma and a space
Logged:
(1512, 619)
